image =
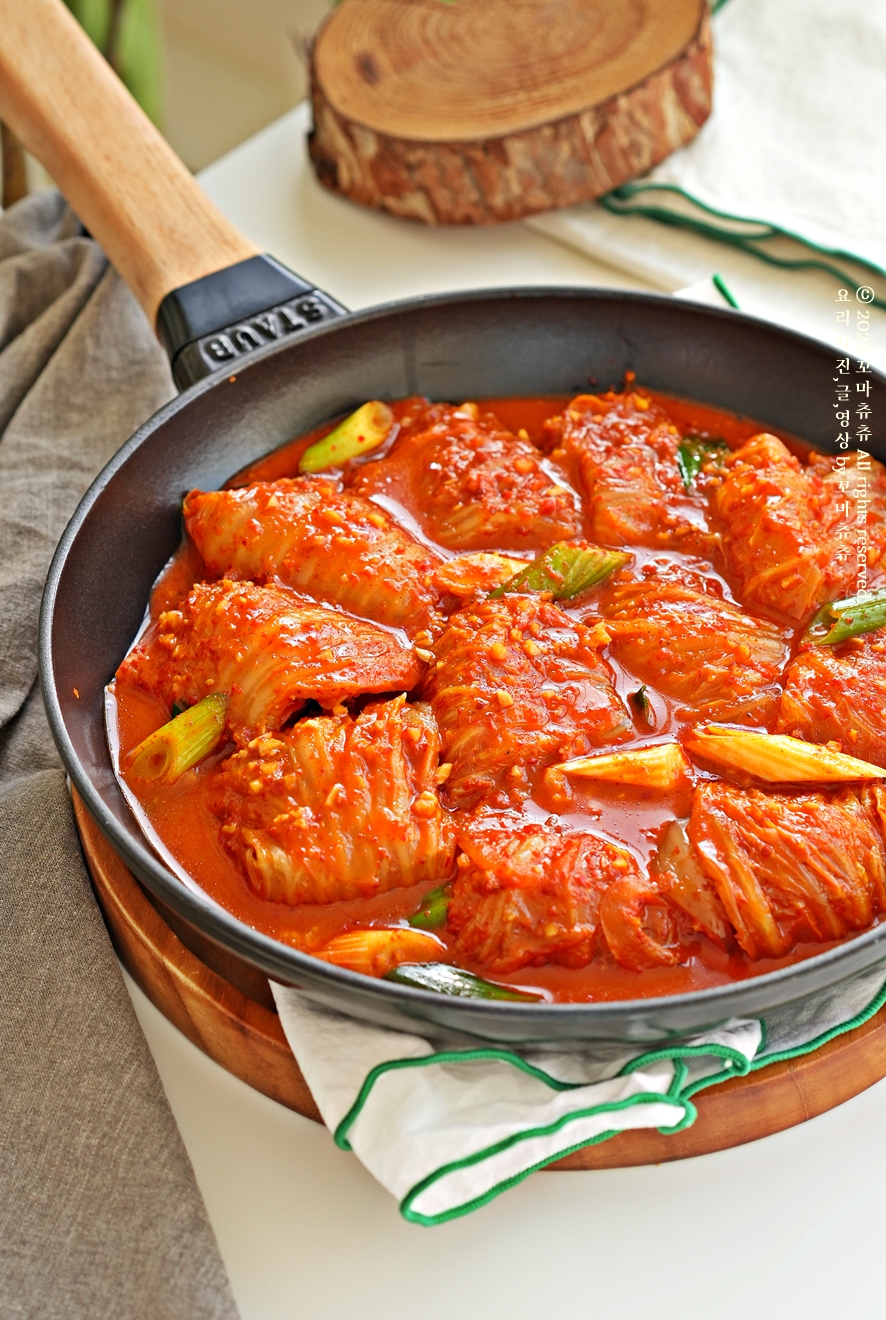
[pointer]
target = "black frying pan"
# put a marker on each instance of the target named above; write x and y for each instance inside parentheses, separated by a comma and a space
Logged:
(318, 361)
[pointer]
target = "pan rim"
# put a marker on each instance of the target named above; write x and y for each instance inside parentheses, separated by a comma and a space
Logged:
(292, 965)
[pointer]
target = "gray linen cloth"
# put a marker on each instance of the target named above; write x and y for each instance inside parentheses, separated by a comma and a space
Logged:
(100, 1215)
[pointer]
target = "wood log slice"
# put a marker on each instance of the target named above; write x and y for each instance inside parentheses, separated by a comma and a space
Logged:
(478, 111)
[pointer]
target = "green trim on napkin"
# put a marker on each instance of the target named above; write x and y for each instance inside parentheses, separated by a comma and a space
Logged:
(679, 1095)
(430, 1221)
(778, 1056)
(340, 1135)
(738, 231)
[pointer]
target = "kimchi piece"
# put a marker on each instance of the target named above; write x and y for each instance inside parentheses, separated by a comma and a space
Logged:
(325, 542)
(336, 807)
(781, 531)
(681, 878)
(639, 924)
(838, 694)
(697, 648)
(518, 684)
(476, 574)
(472, 485)
(626, 449)
(270, 651)
(790, 867)
(529, 895)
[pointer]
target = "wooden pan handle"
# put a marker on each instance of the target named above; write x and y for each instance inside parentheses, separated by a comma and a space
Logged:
(119, 174)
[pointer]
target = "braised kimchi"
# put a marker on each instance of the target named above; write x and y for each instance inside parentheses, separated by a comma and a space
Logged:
(533, 699)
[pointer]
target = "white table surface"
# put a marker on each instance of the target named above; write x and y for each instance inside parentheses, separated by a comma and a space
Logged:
(783, 1228)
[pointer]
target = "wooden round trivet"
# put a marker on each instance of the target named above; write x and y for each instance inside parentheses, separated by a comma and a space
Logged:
(475, 111)
(226, 1009)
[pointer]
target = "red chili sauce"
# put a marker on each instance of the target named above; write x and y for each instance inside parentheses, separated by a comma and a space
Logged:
(181, 819)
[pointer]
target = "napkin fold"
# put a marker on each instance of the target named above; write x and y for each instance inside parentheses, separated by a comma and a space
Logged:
(100, 1215)
(788, 169)
(447, 1125)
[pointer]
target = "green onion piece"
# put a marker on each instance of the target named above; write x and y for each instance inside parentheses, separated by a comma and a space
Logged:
(178, 708)
(448, 980)
(166, 754)
(847, 618)
(434, 909)
(642, 705)
(363, 431)
(565, 570)
(692, 454)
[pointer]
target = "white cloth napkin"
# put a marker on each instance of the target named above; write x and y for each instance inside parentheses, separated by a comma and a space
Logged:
(447, 1125)
(794, 142)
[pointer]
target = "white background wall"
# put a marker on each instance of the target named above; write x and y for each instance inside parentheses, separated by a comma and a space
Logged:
(232, 66)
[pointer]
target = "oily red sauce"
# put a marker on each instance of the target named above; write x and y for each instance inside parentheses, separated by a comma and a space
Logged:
(530, 415)
(180, 817)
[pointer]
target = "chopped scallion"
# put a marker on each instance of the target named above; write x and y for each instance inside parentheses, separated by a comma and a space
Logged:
(446, 980)
(434, 909)
(776, 758)
(847, 618)
(363, 431)
(565, 570)
(375, 951)
(642, 705)
(662, 766)
(165, 755)
(692, 454)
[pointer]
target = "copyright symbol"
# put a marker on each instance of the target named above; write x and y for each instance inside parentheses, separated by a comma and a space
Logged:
(865, 293)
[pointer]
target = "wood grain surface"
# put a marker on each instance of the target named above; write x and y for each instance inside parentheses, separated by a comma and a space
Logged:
(487, 110)
(133, 194)
(226, 1009)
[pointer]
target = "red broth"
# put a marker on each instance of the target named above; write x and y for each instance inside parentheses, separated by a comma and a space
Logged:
(179, 816)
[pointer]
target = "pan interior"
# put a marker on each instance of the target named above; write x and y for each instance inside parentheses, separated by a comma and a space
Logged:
(523, 342)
